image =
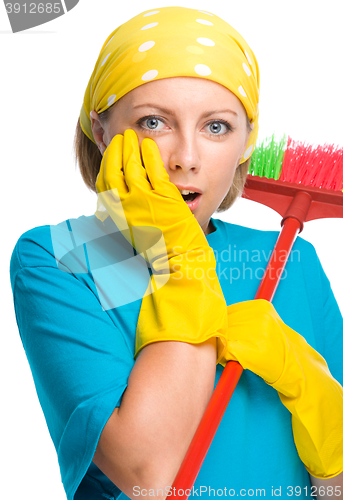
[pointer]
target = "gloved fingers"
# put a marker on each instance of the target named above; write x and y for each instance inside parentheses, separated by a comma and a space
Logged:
(250, 306)
(257, 357)
(254, 319)
(260, 313)
(100, 181)
(257, 338)
(113, 166)
(134, 172)
(249, 318)
(154, 166)
(111, 175)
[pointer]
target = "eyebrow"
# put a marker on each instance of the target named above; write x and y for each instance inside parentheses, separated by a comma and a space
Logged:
(170, 112)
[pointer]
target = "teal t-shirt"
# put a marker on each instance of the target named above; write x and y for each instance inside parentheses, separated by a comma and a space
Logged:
(77, 289)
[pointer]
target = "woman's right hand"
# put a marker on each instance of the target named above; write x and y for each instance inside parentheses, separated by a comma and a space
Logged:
(184, 300)
(143, 199)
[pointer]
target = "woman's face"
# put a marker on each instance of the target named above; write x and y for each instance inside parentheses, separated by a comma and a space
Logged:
(200, 128)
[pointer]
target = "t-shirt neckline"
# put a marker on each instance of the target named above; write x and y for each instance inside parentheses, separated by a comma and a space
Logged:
(215, 239)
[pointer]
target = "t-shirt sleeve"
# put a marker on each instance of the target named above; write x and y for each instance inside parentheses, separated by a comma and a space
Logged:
(78, 357)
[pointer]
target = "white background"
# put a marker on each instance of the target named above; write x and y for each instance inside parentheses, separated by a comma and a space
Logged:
(44, 73)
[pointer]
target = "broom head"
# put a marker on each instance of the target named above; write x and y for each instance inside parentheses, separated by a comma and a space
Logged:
(280, 170)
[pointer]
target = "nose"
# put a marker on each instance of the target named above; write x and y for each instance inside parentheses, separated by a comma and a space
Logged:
(185, 153)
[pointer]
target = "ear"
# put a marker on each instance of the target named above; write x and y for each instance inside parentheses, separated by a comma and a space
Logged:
(98, 131)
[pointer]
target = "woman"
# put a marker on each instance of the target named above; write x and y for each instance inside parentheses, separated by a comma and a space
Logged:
(125, 360)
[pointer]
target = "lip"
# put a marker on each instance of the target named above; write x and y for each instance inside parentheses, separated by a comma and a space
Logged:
(193, 205)
(189, 188)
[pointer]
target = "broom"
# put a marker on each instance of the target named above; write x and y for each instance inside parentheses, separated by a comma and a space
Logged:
(302, 183)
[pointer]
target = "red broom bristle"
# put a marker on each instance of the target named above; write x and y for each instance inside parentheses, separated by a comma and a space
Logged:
(317, 166)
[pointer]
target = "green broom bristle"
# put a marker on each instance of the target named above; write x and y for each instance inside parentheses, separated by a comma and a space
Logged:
(267, 158)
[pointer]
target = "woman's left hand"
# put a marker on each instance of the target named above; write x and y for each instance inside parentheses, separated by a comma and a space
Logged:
(261, 342)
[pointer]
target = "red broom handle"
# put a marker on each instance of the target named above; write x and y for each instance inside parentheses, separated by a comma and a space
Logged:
(226, 385)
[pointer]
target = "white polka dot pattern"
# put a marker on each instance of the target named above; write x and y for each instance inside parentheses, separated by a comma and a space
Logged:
(247, 69)
(150, 75)
(242, 91)
(247, 56)
(202, 70)
(204, 21)
(151, 13)
(103, 62)
(248, 152)
(148, 26)
(110, 40)
(203, 12)
(111, 99)
(146, 46)
(206, 41)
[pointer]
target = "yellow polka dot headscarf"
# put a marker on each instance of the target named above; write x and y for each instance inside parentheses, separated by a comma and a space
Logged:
(170, 42)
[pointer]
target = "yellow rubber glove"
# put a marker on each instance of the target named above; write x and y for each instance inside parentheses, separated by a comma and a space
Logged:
(261, 342)
(184, 301)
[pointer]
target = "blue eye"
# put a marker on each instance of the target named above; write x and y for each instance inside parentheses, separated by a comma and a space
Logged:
(152, 123)
(215, 127)
(219, 127)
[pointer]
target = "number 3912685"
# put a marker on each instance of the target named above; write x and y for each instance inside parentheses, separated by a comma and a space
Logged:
(33, 8)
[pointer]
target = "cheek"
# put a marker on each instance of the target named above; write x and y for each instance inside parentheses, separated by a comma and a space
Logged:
(108, 136)
(112, 129)
(221, 163)
(224, 177)
(165, 146)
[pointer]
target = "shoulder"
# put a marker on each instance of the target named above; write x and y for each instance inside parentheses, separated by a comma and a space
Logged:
(78, 246)
(32, 249)
(31, 246)
(45, 246)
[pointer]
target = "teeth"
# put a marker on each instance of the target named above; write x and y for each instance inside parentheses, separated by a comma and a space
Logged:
(185, 191)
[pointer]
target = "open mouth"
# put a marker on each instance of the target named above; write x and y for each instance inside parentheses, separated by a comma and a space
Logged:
(190, 196)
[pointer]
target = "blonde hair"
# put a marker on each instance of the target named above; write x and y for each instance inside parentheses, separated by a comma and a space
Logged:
(88, 157)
